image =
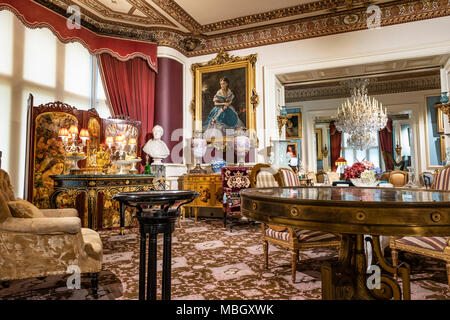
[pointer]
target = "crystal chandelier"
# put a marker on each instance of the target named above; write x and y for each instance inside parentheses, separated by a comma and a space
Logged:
(360, 117)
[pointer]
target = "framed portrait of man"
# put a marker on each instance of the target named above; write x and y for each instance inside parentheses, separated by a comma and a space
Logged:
(294, 126)
(224, 94)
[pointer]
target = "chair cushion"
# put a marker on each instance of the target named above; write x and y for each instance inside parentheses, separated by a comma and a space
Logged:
(92, 243)
(430, 243)
(290, 178)
(24, 209)
(303, 235)
(265, 179)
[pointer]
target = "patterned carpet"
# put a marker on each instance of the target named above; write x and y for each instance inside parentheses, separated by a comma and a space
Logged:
(209, 262)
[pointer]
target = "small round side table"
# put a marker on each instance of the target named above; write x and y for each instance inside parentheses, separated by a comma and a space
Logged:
(151, 222)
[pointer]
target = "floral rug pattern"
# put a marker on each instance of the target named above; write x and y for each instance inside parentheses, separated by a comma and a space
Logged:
(209, 262)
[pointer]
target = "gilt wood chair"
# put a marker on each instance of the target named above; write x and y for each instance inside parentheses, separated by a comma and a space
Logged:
(434, 247)
(398, 178)
(234, 179)
(295, 239)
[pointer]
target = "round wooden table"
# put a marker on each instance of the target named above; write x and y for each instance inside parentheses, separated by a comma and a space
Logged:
(353, 213)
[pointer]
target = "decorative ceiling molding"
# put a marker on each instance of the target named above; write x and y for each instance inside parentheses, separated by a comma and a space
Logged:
(194, 44)
(336, 91)
(177, 12)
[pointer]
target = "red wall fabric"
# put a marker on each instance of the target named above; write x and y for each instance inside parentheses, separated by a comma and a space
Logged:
(130, 87)
(169, 105)
(335, 148)
(387, 143)
(34, 15)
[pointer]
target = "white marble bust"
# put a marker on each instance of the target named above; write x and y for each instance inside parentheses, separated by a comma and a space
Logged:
(156, 148)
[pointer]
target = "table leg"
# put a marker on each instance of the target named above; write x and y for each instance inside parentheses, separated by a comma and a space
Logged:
(122, 218)
(151, 272)
(348, 279)
(195, 213)
(92, 208)
(167, 266)
(143, 243)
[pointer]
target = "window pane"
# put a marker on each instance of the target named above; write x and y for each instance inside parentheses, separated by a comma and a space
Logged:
(103, 109)
(5, 123)
(100, 90)
(40, 56)
(348, 155)
(6, 43)
(374, 157)
(361, 155)
(77, 76)
(78, 102)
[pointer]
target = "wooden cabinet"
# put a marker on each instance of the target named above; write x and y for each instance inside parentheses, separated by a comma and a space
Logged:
(208, 185)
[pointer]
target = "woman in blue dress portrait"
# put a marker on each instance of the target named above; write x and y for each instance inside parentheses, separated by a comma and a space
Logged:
(223, 116)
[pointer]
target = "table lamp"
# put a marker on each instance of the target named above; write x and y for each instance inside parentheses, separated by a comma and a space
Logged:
(340, 163)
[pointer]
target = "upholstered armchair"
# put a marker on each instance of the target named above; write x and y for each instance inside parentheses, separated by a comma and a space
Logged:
(434, 247)
(44, 242)
(398, 178)
(234, 179)
(294, 239)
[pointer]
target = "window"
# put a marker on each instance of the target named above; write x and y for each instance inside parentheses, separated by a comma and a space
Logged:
(29, 64)
(40, 57)
(353, 155)
(78, 68)
(6, 44)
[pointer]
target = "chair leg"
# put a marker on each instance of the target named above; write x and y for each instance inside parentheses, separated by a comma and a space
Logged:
(394, 254)
(94, 283)
(448, 273)
(224, 219)
(294, 254)
(231, 223)
(266, 254)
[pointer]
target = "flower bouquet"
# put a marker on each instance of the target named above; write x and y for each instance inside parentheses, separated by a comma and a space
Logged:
(363, 174)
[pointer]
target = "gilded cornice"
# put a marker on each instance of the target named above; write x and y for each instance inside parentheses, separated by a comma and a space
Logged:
(192, 44)
(176, 12)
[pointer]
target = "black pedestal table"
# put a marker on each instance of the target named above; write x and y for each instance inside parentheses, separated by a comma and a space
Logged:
(153, 221)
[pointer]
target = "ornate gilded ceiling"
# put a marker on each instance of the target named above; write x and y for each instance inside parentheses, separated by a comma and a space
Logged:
(197, 27)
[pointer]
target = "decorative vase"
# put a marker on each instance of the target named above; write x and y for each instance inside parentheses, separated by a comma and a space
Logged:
(444, 98)
(217, 164)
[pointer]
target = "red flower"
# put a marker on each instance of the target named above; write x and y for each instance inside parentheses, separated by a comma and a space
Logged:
(354, 171)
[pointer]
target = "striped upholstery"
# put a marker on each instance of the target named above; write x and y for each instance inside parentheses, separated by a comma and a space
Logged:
(302, 235)
(290, 178)
(430, 243)
(443, 180)
(265, 179)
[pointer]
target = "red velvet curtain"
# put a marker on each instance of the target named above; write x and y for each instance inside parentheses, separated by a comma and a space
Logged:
(335, 147)
(387, 143)
(130, 87)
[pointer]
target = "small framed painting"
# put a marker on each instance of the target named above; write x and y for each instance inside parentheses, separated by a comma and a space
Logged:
(294, 126)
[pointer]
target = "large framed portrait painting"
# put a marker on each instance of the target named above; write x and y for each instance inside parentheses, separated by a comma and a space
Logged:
(223, 93)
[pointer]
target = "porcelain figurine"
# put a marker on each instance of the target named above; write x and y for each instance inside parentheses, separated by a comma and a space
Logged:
(156, 148)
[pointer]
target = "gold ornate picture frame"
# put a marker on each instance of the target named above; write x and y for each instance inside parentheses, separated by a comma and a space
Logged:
(318, 134)
(240, 72)
(294, 125)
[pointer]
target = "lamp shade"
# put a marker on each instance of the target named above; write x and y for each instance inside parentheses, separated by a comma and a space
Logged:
(132, 142)
(242, 143)
(63, 132)
(198, 147)
(84, 134)
(73, 129)
(340, 161)
(109, 140)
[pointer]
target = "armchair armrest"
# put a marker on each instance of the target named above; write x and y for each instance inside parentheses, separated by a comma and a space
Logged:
(41, 225)
(59, 213)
